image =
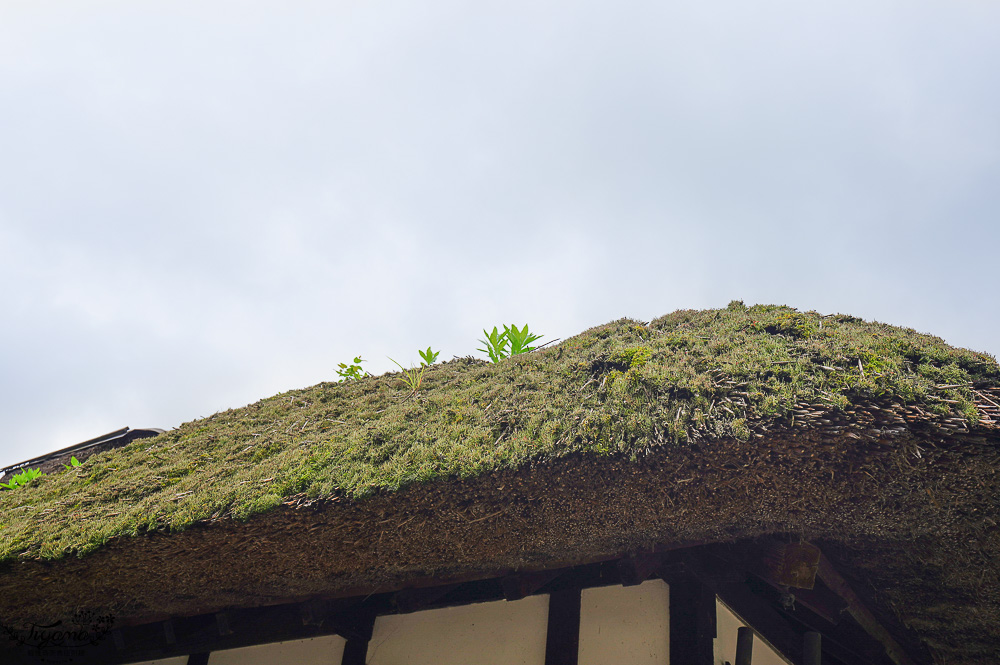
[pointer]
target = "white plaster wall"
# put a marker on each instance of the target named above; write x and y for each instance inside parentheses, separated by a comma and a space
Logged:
(314, 651)
(620, 625)
(728, 624)
(626, 625)
(495, 633)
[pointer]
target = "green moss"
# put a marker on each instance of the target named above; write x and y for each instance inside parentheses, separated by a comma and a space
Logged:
(633, 357)
(615, 389)
(799, 326)
(969, 412)
(740, 429)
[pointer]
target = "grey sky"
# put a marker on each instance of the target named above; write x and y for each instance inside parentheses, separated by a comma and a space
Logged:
(206, 203)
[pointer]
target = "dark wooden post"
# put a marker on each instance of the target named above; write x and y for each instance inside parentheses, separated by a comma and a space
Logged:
(562, 639)
(356, 649)
(812, 652)
(355, 652)
(744, 646)
(692, 621)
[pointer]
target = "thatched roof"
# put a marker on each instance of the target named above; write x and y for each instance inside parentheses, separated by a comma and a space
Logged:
(717, 426)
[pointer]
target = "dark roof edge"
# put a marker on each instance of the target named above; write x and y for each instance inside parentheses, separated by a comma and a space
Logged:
(126, 432)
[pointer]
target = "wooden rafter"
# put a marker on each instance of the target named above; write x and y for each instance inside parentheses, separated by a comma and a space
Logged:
(861, 613)
(756, 601)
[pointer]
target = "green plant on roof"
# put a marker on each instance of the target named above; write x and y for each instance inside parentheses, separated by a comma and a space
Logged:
(413, 376)
(22, 479)
(351, 372)
(497, 343)
(429, 356)
(74, 462)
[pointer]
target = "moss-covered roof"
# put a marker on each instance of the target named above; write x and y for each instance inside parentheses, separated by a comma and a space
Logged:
(692, 385)
(620, 388)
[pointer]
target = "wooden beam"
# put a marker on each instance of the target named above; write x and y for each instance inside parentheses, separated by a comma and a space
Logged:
(562, 639)
(757, 612)
(818, 609)
(636, 569)
(411, 600)
(821, 602)
(222, 624)
(771, 626)
(240, 628)
(168, 632)
(355, 652)
(861, 613)
(692, 621)
(812, 649)
(845, 643)
(356, 649)
(516, 587)
(312, 612)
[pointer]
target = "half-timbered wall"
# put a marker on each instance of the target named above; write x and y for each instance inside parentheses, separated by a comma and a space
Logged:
(624, 625)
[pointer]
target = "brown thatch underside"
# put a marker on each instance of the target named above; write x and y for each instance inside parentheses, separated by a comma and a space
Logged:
(910, 521)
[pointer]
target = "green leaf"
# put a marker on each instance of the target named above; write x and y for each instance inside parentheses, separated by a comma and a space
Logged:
(520, 339)
(429, 356)
(23, 478)
(496, 344)
(352, 372)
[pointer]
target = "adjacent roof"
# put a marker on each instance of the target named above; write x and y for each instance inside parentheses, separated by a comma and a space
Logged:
(699, 427)
(57, 459)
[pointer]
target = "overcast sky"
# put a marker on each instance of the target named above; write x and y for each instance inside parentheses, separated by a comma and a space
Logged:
(206, 203)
